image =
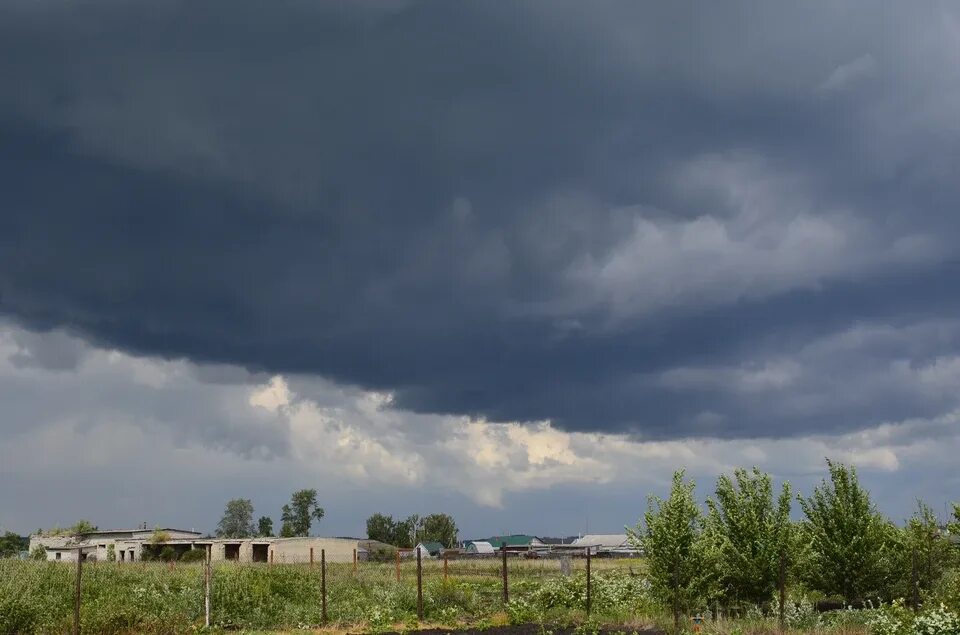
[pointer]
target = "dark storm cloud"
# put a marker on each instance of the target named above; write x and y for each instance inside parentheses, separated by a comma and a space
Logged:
(581, 212)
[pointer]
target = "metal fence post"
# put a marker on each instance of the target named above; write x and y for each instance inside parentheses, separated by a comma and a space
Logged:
(206, 586)
(506, 591)
(323, 585)
(76, 593)
(419, 586)
(397, 552)
(588, 580)
(354, 560)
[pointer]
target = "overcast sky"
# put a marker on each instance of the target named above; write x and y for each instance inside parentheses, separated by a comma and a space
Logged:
(515, 261)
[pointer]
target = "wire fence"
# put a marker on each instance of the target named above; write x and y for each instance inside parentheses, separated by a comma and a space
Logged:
(309, 591)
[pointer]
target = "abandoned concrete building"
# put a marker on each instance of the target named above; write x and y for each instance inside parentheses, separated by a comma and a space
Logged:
(132, 545)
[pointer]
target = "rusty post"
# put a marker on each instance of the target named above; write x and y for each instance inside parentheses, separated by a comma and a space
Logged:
(311, 557)
(419, 586)
(76, 593)
(588, 580)
(271, 557)
(446, 573)
(506, 591)
(354, 561)
(398, 564)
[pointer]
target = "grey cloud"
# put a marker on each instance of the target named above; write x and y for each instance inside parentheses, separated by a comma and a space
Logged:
(492, 209)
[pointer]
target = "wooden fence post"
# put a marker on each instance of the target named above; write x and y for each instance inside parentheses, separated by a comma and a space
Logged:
(506, 591)
(398, 564)
(76, 593)
(419, 586)
(588, 580)
(354, 561)
(446, 574)
(311, 557)
(206, 586)
(323, 584)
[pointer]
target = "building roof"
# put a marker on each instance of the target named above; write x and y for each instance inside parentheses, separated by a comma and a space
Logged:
(139, 530)
(609, 541)
(558, 541)
(431, 547)
(513, 540)
(480, 546)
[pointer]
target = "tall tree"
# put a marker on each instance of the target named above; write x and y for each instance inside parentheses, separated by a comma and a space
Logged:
(752, 533)
(669, 536)
(265, 526)
(381, 527)
(924, 548)
(298, 516)
(237, 521)
(850, 543)
(439, 528)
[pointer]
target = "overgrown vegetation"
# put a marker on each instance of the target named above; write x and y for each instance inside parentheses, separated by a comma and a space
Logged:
(723, 560)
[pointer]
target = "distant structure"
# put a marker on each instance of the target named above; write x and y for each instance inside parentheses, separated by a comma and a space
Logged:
(512, 543)
(133, 545)
(610, 545)
(478, 548)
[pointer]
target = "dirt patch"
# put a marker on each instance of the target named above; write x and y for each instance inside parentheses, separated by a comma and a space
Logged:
(530, 629)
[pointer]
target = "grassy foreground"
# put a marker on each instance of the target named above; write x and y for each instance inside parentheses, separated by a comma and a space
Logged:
(37, 597)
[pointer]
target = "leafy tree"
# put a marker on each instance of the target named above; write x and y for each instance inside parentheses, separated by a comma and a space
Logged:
(381, 527)
(439, 528)
(670, 537)
(237, 521)
(298, 516)
(923, 543)
(750, 532)
(39, 553)
(265, 526)
(111, 553)
(850, 543)
(955, 525)
(10, 544)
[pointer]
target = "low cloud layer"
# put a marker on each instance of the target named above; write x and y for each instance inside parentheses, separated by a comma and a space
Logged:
(124, 439)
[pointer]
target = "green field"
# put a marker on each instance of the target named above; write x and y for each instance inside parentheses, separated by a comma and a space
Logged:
(37, 597)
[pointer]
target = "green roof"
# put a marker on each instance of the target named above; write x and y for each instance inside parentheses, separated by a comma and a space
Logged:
(513, 540)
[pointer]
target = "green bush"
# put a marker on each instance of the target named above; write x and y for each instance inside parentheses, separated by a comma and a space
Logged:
(194, 555)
